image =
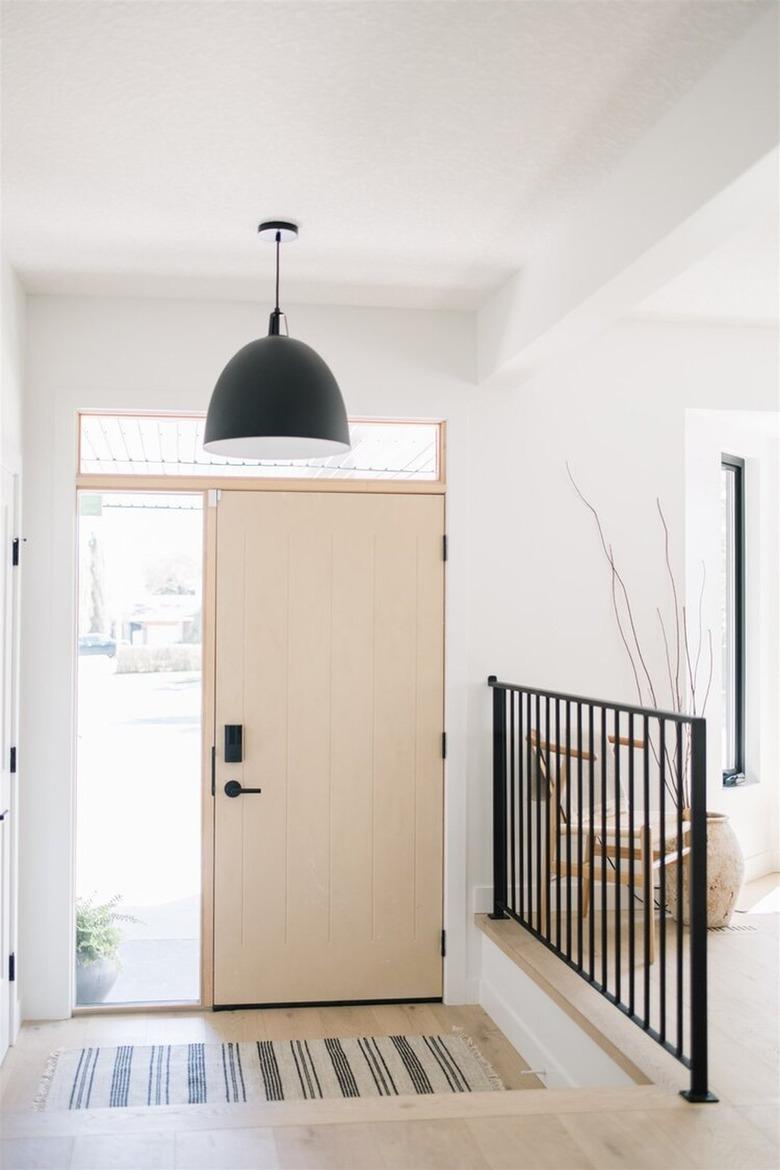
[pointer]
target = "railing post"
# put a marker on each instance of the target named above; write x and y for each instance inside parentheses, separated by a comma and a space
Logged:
(699, 1090)
(500, 891)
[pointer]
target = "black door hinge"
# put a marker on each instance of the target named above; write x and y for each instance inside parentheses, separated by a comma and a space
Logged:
(12, 761)
(443, 943)
(444, 745)
(444, 547)
(15, 551)
(11, 968)
(213, 770)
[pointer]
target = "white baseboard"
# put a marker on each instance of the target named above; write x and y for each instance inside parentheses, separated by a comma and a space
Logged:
(760, 864)
(544, 1035)
(472, 989)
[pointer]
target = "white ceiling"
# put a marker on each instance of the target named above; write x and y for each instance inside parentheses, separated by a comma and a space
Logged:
(738, 282)
(425, 147)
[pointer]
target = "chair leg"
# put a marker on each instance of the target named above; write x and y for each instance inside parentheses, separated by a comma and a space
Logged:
(586, 866)
(552, 780)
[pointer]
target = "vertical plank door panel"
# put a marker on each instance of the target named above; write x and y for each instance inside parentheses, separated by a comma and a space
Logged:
(329, 651)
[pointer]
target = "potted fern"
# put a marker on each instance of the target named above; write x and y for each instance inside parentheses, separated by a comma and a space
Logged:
(98, 936)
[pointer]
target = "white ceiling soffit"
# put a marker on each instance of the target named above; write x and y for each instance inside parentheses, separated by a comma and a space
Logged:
(424, 147)
(738, 283)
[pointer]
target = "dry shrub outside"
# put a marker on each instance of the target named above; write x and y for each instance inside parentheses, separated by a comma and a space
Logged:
(150, 659)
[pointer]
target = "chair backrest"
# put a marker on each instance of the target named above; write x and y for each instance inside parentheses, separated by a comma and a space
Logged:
(551, 764)
(557, 765)
(622, 749)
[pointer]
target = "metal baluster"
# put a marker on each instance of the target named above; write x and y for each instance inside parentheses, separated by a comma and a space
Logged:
(679, 940)
(558, 836)
(604, 750)
(592, 846)
(699, 1090)
(647, 871)
(631, 867)
(618, 851)
(568, 829)
(538, 816)
(512, 876)
(531, 773)
(499, 802)
(579, 836)
(553, 772)
(662, 874)
(521, 781)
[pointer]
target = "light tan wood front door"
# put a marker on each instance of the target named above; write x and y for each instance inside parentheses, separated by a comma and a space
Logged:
(329, 653)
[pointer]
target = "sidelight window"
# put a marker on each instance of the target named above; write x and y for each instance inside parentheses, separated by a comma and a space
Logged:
(138, 837)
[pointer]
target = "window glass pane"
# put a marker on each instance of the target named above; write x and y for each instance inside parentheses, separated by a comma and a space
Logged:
(121, 444)
(139, 748)
(732, 558)
(728, 656)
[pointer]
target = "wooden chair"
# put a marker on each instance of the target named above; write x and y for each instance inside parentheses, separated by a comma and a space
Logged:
(648, 846)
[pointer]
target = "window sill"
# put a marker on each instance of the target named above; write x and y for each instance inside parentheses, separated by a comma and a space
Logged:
(746, 783)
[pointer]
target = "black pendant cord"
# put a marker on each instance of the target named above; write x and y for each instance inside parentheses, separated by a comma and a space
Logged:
(278, 242)
(276, 315)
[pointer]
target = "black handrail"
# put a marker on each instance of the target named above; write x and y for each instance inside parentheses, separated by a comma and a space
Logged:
(627, 708)
(559, 815)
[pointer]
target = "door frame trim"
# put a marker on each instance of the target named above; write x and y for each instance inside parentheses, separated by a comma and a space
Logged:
(11, 681)
(183, 485)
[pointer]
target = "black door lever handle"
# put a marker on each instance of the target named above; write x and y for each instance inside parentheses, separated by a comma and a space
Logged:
(233, 788)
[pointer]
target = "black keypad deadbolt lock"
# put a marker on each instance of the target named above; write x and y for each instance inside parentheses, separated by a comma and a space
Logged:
(234, 743)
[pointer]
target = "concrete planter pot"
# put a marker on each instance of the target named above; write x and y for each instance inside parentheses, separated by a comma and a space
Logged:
(725, 871)
(94, 980)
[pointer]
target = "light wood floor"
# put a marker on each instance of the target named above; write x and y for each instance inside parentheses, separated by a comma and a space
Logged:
(20, 1075)
(526, 1128)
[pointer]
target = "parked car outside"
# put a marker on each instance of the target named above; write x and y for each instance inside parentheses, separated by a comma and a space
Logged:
(97, 644)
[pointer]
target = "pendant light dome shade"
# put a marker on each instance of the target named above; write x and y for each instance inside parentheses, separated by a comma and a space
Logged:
(276, 398)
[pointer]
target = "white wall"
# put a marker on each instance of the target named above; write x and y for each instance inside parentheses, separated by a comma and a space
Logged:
(127, 353)
(539, 610)
(528, 591)
(753, 807)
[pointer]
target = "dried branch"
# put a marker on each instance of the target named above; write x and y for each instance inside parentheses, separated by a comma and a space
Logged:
(676, 603)
(686, 644)
(623, 637)
(683, 653)
(668, 656)
(621, 583)
(709, 679)
(701, 623)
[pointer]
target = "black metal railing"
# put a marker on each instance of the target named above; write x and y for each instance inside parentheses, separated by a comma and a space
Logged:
(599, 850)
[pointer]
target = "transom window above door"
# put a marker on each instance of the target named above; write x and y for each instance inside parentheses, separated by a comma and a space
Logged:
(172, 445)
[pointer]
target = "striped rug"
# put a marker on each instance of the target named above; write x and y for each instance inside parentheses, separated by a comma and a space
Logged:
(264, 1070)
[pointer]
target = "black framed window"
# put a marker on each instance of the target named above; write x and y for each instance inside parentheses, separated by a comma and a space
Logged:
(732, 609)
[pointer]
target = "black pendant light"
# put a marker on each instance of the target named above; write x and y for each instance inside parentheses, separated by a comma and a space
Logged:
(276, 398)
